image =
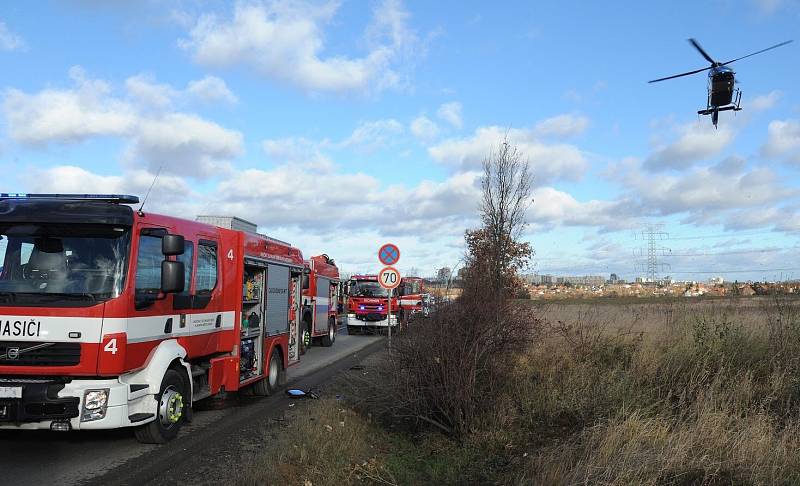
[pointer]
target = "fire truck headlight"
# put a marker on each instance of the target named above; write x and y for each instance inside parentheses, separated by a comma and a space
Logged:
(351, 316)
(361, 307)
(95, 403)
(380, 307)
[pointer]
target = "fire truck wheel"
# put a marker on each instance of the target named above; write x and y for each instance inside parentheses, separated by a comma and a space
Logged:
(270, 384)
(330, 338)
(170, 413)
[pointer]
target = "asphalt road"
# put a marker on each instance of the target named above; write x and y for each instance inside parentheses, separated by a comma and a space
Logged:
(114, 457)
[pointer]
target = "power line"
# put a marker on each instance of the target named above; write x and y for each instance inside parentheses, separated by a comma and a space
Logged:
(709, 254)
(653, 232)
(722, 235)
(754, 270)
(733, 252)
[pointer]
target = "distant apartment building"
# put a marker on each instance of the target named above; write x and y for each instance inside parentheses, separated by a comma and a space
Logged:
(590, 280)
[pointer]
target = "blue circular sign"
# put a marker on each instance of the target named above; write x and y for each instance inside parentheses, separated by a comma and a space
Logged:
(389, 254)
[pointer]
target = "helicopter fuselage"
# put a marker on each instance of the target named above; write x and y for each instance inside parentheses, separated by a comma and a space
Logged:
(721, 86)
(723, 95)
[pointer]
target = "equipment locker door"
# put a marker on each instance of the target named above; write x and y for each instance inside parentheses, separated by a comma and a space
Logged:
(277, 315)
(322, 303)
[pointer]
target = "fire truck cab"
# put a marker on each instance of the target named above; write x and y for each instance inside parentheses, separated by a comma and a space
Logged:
(320, 298)
(111, 317)
(367, 304)
(414, 301)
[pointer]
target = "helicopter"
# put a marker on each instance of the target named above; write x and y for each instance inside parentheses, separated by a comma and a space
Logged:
(723, 95)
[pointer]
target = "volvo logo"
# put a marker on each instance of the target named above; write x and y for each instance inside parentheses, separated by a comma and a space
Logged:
(12, 353)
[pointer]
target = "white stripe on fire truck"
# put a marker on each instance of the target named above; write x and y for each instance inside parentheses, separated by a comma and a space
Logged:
(91, 329)
(142, 329)
(50, 328)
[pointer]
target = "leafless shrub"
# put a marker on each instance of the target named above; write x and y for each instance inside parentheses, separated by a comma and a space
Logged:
(449, 371)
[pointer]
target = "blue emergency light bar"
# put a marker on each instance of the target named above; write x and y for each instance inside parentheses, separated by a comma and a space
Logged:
(113, 198)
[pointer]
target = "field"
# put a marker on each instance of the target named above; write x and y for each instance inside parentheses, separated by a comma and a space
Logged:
(682, 392)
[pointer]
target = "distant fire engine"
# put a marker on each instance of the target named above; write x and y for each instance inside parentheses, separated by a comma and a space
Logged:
(367, 304)
(413, 298)
(111, 317)
(320, 299)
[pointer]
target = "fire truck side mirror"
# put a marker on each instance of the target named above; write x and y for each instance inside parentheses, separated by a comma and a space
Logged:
(172, 245)
(172, 276)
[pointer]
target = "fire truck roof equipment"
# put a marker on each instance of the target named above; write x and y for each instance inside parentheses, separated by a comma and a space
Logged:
(112, 198)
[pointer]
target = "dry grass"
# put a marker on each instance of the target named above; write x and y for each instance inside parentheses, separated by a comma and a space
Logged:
(327, 444)
(705, 393)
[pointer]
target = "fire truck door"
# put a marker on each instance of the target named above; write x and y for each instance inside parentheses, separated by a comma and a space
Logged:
(321, 305)
(206, 315)
(277, 321)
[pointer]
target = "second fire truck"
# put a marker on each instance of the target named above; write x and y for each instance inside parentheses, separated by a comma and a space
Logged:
(367, 305)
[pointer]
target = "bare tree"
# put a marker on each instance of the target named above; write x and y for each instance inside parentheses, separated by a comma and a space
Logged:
(495, 254)
(413, 272)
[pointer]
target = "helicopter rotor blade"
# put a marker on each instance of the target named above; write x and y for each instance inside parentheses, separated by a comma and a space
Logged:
(702, 52)
(758, 52)
(680, 75)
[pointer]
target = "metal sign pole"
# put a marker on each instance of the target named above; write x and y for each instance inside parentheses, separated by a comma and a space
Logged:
(389, 316)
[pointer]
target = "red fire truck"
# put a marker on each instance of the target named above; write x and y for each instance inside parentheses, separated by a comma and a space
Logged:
(413, 298)
(320, 298)
(367, 304)
(111, 317)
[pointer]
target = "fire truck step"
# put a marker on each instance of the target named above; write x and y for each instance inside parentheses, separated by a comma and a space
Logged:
(138, 417)
(201, 394)
(198, 371)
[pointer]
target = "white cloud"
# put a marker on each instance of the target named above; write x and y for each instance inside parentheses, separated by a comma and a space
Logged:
(342, 201)
(424, 129)
(168, 191)
(9, 41)
(554, 207)
(69, 115)
(285, 41)
(783, 140)
(211, 89)
(769, 7)
(451, 113)
(299, 151)
(562, 126)
(181, 142)
(144, 89)
(548, 162)
(373, 135)
(707, 191)
(765, 102)
(695, 142)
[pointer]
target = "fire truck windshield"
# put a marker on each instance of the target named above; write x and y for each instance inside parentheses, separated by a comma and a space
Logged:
(61, 264)
(367, 288)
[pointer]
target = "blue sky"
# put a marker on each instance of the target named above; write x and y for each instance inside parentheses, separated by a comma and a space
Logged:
(341, 125)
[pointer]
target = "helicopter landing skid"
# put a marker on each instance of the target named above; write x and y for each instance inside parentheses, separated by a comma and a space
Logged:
(711, 111)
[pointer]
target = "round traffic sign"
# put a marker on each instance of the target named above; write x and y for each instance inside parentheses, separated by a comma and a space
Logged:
(389, 277)
(389, 254)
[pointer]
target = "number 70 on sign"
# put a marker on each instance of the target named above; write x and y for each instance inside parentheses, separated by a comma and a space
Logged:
(389, 277)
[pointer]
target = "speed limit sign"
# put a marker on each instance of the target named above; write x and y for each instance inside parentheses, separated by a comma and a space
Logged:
(389, 277)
